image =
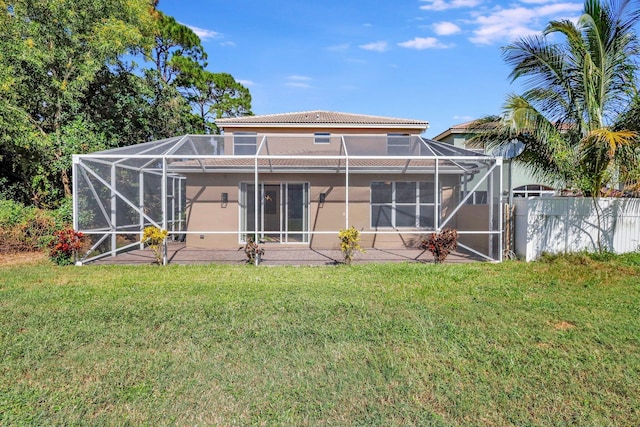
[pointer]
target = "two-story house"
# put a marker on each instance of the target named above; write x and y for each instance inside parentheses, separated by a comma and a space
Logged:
(291, 179)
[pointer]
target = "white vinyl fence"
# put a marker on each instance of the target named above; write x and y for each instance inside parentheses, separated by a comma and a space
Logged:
(570, 224)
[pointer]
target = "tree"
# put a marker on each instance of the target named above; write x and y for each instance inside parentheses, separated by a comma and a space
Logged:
(177, 49)
(576, 90)
(215, 95)
(53, 51)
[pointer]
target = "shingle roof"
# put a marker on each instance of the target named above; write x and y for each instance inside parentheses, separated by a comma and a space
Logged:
(320, 117)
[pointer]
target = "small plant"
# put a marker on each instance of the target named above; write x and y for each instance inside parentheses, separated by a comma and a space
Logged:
(154, 238)
(349, 243)
(64, 246)
(253, 250)
(440, 244)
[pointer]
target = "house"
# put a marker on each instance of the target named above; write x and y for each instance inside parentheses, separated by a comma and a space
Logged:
(523, 182)
(291, 179)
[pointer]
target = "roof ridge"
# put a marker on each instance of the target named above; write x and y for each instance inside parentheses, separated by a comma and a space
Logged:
(323, 116)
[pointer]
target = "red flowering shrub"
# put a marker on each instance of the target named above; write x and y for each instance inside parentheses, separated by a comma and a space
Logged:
(440, 244)
(64, 245)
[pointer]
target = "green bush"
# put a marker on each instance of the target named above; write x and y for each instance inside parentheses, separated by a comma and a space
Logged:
(25, 228)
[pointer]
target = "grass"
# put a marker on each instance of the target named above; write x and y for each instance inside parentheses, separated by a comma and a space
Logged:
(547, 343)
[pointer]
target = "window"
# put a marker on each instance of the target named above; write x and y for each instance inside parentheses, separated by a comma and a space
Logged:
(398, 144)
(476, 198)
(244, 143)
(322, 138)
(533, 190)
(402, 204)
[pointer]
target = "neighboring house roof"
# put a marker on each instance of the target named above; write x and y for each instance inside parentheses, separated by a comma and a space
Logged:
(473, 127)
(327, 119)
(462, 128)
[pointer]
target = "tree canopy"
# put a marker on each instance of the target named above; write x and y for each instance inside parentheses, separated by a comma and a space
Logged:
(69, 84)
(580, 79)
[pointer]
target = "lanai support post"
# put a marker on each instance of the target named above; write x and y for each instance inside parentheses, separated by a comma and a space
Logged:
(255, 199)
(113, 227)
(500, 207)
(436, 197)
(180, 207)
(346, 195)
(141, 205)
(74, 199)
(164, 208)
(491, 201)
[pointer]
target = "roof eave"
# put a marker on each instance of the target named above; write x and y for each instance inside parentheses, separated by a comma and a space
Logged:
(421, 126)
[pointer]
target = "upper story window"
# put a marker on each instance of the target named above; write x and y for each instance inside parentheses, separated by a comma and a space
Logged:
(322, 138)
(398, 144)
(244, 143)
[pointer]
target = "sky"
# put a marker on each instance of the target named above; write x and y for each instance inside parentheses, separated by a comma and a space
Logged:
(433, 60)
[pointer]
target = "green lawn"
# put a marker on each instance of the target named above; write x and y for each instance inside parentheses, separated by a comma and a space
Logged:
(548, 343)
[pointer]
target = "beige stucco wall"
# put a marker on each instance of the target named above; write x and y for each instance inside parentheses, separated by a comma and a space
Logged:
(473, 218)
(205, 211)
(291, 141)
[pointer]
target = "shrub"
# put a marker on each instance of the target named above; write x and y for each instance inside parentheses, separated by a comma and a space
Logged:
(253, 250)
(65, 246)
(440, 244)
(349, 243)
(154, 238)
(24, 228)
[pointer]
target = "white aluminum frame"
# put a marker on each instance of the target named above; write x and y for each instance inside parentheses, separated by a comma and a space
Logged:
(457, 162)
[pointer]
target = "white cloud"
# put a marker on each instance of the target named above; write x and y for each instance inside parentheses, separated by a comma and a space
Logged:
(298, 81)
(339, 47)
(537, 1)
(299, 78)
(452, 4)
(203, 33)
(246, 82)
(228, 44)
(375, 46)
(421, 43)
(445, 28)
(298, 84)
(513, 23)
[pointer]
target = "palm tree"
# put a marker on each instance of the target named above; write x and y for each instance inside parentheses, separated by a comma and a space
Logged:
(575, 92)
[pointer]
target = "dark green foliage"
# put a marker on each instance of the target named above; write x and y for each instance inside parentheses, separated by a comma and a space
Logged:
(65, 88)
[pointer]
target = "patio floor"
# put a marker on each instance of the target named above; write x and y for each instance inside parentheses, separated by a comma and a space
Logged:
(178, 253)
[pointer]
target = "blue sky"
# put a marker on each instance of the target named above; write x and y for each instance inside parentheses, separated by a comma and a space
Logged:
(434, 60)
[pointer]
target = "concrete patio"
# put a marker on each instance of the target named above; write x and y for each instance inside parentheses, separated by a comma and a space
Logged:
(178, 253)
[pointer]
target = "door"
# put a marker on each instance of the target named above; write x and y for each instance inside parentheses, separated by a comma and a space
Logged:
(283, 212)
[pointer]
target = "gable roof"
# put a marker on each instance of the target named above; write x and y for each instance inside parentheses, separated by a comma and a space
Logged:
(327, 119)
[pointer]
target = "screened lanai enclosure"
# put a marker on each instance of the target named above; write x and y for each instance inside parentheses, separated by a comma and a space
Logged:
(213, 192)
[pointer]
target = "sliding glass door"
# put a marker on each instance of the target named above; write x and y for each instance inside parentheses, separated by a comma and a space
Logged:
(283, 212)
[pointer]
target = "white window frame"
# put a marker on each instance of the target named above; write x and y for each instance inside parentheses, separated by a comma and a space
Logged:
(533, 190)
(322, 138)
(398, 144)
(241, 139)
(479, 197)
(394, 204)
